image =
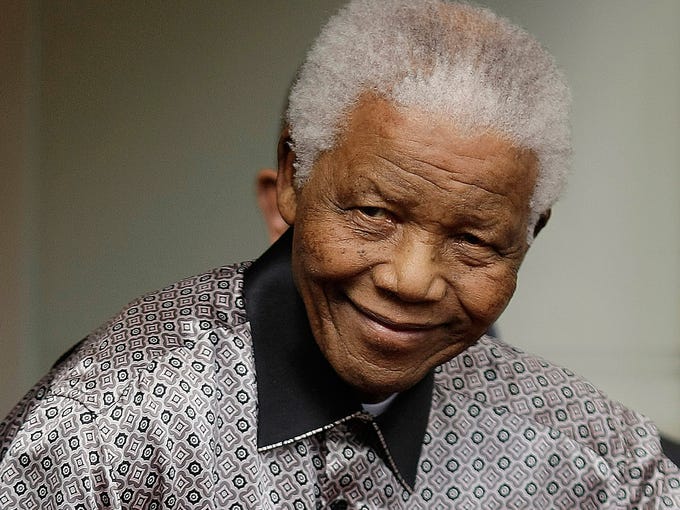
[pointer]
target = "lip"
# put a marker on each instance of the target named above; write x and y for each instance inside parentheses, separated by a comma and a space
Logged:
(395, 325)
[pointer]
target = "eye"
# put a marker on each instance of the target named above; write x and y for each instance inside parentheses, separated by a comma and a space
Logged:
(372, 220)
(471, 239)
(373, 212)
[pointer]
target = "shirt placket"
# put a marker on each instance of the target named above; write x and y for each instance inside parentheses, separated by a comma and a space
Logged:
(353, 475)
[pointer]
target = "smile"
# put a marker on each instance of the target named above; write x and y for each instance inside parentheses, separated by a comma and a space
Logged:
(395, 325)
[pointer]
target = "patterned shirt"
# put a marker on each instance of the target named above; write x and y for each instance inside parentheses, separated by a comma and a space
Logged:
(211, 393)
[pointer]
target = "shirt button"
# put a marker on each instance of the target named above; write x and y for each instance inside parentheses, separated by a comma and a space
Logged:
(339, 504)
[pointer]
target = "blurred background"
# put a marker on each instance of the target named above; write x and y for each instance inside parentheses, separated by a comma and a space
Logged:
(130, 134)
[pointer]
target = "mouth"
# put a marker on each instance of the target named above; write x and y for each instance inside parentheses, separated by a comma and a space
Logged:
(401, 326)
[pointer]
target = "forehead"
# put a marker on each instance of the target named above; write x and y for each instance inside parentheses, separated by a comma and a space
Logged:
(417, 146)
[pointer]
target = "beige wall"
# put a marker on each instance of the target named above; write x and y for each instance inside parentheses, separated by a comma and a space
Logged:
(134, 131)
(19, 360)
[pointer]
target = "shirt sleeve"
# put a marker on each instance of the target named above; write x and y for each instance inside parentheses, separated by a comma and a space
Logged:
(649, 479)
(52, 457)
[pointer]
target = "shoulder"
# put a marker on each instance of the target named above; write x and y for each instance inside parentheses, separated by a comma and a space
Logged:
(538, 392)
(563, 439)
(179, 323)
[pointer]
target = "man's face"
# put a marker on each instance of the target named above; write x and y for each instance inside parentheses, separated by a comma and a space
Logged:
(408, 237)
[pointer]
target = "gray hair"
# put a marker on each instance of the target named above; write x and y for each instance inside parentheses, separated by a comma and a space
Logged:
(454, 61)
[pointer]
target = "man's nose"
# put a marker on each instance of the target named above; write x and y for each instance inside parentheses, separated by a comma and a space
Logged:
(412, 271)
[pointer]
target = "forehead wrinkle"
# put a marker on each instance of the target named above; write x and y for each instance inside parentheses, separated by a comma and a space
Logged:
(452, 177)
(456, 177)
(391, 190)
(409, 147)
(419, 143)
(413, 161)
(406, 156)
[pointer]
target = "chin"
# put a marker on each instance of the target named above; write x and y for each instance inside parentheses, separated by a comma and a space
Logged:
(376, 384)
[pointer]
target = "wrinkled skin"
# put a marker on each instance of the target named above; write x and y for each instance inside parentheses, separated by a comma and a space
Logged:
(408, 237)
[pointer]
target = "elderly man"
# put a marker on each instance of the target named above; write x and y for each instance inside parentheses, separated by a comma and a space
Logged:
(347, 367)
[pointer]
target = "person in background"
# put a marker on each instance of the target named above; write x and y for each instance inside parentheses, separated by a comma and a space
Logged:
(265, 193)
(348, 366)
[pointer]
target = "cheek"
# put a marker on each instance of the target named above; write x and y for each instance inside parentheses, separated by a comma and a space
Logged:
(484, 297)
(325, 252)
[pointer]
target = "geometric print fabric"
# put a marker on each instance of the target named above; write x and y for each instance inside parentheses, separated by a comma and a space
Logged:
(158, 409)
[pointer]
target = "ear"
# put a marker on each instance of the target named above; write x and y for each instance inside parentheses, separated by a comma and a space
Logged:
(542, 222)
(265, 190)
(285, 186)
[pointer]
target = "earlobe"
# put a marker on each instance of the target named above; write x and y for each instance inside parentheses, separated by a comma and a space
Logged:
(285, 185)
(542, 221)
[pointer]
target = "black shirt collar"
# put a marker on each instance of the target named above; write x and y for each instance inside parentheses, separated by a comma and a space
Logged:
(299, 393)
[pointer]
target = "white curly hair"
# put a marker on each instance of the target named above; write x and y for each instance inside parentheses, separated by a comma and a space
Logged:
(451, 60)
